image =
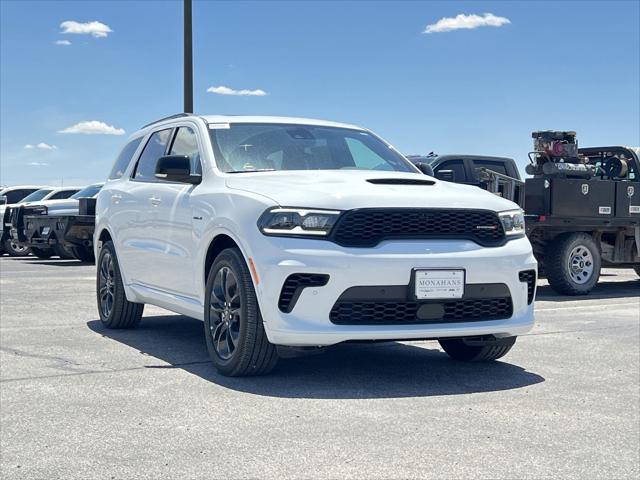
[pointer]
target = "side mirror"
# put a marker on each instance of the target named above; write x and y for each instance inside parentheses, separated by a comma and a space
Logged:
(176, 168)
(425, 168)
(3, 199)
(446, 175)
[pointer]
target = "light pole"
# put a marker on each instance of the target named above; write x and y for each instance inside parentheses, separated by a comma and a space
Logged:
(188, 59)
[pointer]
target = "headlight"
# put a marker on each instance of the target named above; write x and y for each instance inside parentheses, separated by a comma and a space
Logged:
(512, 222)
(297, 221)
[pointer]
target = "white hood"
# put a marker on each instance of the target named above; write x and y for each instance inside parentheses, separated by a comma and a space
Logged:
(349, 189)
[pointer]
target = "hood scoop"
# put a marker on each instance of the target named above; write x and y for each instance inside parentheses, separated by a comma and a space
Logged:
(400, 181)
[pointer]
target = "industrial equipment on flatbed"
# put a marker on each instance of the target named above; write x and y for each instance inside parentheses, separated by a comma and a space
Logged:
(583, 210)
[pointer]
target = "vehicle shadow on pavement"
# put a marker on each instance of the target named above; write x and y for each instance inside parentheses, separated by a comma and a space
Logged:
(373, 370)
(624, 289)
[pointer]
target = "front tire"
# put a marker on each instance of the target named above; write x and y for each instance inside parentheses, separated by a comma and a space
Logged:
(43, 253)
(233, 325)
(114, 308)
(468, 350)
(84, 254)
(15, 250)
(573, 264)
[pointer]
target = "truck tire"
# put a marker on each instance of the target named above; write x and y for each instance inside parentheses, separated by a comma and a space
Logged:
(468, 350)
(43, 253)
(573, 264)
(15, 250)
(233, 325)
(63, 252)
(84, 254)
(114, 308)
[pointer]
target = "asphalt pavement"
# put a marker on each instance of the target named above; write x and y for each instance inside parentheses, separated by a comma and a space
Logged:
(79, 401)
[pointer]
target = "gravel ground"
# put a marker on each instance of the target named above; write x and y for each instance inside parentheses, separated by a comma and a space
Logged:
(78, 401)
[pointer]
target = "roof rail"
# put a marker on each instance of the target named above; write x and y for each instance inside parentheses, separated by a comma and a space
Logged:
(177, 115)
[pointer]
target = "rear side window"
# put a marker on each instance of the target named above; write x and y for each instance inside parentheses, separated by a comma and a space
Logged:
(122, 162)
(153, 150)
(62, 195)
(497, 167)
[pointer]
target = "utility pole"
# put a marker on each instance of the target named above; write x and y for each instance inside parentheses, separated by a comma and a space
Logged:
(188, 58)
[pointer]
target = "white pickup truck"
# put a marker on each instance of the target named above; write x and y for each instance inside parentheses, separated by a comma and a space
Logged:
(287, 233)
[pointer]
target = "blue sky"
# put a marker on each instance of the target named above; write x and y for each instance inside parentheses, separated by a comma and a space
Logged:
(553, 65)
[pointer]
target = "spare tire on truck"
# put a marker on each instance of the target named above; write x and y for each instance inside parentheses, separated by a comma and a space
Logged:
(572, 263)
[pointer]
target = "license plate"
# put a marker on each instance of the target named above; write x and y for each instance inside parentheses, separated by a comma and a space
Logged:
(433, 284)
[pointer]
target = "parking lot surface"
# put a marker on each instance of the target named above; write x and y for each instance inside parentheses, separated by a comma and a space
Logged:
(80, 401)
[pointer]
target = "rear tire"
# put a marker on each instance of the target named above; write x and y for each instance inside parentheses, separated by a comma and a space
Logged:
(84, 254)
(233, 326)
(114, 308)
(466, 350)
(63, 252)
(43, 253)
(15, 250)
(573, 264)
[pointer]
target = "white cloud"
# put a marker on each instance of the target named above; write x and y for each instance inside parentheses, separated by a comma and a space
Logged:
(463, 21)
(63, 42)
(41, 146)
(46, 146)
(97, 29)
(38, 164)
(93, 127)
(230, 91)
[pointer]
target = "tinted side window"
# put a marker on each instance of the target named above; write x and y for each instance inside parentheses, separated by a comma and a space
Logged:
(497, 167)
(122, 162)
(16, 195)
(186, 143)
(62, 195)
(153, 150)
(456, 166)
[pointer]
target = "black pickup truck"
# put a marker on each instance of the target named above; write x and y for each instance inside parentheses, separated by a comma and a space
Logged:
(575, 226)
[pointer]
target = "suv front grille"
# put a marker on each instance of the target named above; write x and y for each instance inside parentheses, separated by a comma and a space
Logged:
(529, 277)
(368, 227)
(404, 313)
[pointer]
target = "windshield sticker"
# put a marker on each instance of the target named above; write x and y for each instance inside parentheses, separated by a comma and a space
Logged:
(218, 126)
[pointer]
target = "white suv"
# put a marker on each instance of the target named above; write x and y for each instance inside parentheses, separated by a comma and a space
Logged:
(288, 232)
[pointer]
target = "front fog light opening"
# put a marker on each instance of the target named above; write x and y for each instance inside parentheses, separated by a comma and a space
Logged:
(512, 222)
(294, 221)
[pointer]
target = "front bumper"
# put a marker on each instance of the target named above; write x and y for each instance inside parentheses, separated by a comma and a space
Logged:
(390, 263)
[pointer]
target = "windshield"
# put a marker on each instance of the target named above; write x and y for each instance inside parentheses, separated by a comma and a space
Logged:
(250, 147)
(87, 192)
(37, 195)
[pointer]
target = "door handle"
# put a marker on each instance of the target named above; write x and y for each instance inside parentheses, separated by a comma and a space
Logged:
(155, 201)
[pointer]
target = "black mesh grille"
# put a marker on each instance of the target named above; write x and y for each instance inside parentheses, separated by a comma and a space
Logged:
(293, 286)
(367, 227)
(529, 276)
(402, 313)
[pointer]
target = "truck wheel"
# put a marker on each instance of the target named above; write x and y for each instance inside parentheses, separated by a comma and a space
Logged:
(233, 326)
(63, 252)
(573, 264)
(43, 253)
(84, 254)
(15, 250)
(468, 350)
(114, 308)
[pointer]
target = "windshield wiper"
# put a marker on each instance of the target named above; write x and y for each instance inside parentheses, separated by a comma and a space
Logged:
(253, 171)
